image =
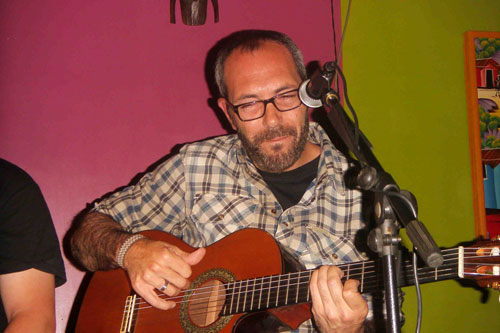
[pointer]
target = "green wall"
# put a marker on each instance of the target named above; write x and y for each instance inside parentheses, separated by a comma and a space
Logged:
(404, 64)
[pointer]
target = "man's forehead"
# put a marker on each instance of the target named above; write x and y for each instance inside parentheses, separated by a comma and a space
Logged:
(268, 53)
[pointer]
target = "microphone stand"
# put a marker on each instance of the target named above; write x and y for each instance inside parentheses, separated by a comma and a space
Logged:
(393, 208)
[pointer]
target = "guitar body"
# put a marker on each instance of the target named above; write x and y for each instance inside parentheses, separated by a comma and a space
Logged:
(246, 254)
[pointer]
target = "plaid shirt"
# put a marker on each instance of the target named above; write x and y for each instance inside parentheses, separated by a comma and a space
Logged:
(212, 189)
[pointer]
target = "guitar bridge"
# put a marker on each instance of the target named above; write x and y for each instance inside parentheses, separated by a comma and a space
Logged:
(128, 314)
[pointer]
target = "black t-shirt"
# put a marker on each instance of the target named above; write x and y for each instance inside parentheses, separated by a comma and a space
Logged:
(289, 186)
(27, 235)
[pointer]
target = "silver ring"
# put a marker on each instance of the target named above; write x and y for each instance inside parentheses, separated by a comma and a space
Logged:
(162, 289)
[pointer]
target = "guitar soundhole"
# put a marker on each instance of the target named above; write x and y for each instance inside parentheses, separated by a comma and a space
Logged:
(206, 303)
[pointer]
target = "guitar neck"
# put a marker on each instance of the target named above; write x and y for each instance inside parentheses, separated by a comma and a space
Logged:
(275, 291)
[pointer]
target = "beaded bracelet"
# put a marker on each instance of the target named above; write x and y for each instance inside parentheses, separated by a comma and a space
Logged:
(125, 246)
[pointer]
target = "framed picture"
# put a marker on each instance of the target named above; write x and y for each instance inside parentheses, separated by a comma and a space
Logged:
(482, 75)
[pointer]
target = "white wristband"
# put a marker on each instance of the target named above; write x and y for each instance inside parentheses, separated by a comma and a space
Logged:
(125, 246)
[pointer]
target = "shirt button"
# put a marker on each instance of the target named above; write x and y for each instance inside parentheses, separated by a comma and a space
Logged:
(286, 224)
(334, 256)
(273, 211)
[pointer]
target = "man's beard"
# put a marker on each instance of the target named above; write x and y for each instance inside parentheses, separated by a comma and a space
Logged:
(276, 162)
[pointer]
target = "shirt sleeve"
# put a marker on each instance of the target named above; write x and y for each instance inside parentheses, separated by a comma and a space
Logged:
(155, 202)
(27, 235)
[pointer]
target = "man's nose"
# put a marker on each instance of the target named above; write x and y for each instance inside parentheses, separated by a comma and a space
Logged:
(272, 116)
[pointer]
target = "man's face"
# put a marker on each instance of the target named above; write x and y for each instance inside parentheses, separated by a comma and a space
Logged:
(276, 141)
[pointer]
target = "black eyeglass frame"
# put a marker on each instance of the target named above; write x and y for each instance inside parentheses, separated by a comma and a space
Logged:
(265, 101)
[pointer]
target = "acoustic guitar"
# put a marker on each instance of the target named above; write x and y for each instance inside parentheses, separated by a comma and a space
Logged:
(243, 279)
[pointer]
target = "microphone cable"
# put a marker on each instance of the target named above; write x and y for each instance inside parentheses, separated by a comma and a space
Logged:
(338, 58)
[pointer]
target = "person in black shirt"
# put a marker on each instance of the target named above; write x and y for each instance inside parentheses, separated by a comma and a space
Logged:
(30, 259)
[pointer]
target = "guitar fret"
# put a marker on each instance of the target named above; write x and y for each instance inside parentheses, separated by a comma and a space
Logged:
(232, 297)
(287, 289)
(260, 294)
(253, 291)
(238, 301)
(235, 296)
(278, 290)
(307, 298)
(298, 288)
(348, 270)
(244, 309)
(224, 306)
(224, 310)
(269, 292)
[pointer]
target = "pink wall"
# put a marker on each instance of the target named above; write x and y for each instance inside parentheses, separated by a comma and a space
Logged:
(93, 92)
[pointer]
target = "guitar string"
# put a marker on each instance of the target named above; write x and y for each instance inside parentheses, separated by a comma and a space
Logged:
(206, 309)
(249, 288)
(217, 309)
(280, 296)
(370, 281)
(298, 275)
(294, 275)
(367, 264)
(269, 280)
(279, 299)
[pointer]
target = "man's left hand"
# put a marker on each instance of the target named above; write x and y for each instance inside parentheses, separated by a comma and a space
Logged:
(336, 307)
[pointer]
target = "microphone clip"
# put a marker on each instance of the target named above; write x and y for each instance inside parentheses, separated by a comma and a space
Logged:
(312, 91)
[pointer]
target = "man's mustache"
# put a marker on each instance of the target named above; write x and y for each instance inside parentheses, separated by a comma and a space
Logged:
(274, 133)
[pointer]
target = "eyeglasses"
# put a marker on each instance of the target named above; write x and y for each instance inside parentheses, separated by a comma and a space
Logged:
(283, 102)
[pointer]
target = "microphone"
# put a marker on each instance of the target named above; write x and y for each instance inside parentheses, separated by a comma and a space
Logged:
(311, 90)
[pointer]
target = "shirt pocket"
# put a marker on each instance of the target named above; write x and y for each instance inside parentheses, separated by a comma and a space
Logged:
(218, 215)
(331, 248)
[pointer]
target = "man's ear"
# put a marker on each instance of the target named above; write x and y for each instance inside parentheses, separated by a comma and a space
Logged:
(223, 105)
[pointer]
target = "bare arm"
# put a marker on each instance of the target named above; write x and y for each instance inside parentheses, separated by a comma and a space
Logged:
(28, 299)
(96, 241)
(149, 264)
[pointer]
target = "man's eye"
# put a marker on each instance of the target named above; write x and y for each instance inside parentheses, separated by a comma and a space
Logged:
(247, 106)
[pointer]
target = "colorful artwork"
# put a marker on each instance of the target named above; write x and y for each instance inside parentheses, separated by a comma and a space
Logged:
(482, 57)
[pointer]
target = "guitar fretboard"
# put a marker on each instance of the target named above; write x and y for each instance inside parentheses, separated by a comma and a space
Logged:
(293, 288)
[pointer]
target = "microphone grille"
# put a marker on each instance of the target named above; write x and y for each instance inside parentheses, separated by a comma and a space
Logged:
(306, 99)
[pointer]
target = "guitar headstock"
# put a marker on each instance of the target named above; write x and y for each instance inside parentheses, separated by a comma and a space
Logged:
(481, 262)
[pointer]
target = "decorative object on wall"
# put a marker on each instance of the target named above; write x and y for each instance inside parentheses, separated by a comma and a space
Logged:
(194, 12)
(482, 73)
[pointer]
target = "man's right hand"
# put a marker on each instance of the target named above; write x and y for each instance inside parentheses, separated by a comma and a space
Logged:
(151, 264)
